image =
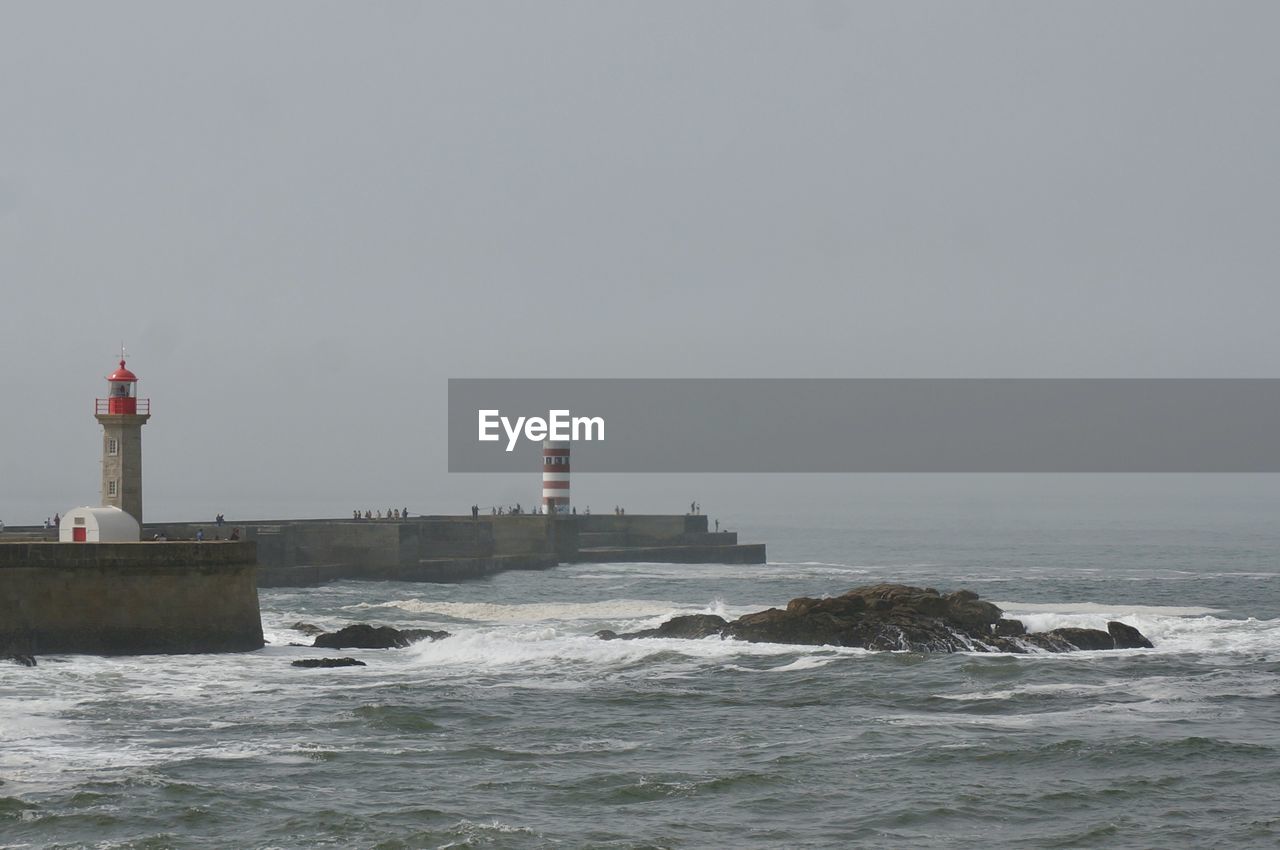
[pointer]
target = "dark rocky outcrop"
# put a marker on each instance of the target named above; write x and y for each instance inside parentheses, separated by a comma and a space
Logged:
(1066, 640)
(1009, 628)
(308, 629)
(1127, 637)
(894, 616)
(689, 626)
(17, 650)
(328, 662)
(365, 636)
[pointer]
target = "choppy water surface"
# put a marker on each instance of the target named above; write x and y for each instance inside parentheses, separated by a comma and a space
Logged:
(524, 731)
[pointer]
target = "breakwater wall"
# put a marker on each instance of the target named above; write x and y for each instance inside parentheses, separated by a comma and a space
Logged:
(294, 553)
(453, 548)
(128, 598)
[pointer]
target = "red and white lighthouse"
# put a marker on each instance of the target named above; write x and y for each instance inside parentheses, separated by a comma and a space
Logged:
(122, 415)
(555, 476)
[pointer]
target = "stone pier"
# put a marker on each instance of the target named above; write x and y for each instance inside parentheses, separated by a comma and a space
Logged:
(454, 548)
(128, 598)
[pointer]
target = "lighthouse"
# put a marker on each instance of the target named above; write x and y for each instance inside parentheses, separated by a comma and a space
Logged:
(122, 415)
(555, 476)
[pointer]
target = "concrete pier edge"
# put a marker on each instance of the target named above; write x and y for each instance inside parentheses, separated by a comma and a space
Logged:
(306, 552)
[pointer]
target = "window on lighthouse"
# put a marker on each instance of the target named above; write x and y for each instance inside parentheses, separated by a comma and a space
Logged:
(113, 447)
(111, 488)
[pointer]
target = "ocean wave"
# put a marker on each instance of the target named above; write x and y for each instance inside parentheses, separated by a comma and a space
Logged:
(1018, 609)
(1054, 690)
(770, 571)
(528, 612)
(1173, 629)
(549, 648)
(653, 611)
(804, 662)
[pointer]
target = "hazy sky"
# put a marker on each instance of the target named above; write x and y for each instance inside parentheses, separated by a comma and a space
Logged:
(303, 217)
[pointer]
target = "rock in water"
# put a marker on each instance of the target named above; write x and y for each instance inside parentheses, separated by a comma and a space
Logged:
(307, 629)
(1127, 637)
(893, 616)
(689, 626)
(1066, 640)
(882, 616)
(365, 636)
(1009, 628)
(415, 635)
(328, 662)
(20, 658)
(1117, 636)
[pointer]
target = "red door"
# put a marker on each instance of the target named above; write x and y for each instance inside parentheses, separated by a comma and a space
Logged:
(78, 534)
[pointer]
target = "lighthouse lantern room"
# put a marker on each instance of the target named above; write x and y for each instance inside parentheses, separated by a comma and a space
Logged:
(122, 391)
(122, 415)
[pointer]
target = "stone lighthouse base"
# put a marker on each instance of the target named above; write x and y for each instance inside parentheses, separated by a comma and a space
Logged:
(128, 598)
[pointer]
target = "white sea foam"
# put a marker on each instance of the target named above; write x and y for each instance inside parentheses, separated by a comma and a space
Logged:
(549, 648)
(1173, 629)
(1147, 699)
(1063, 688)
(530, 612)
(1019, 609)
(608, 610)
(771, 571)
(805, 662)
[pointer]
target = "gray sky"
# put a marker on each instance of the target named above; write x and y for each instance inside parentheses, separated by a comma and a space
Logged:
(303, 217)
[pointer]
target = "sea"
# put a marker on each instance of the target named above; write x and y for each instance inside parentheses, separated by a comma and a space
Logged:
(523, 730)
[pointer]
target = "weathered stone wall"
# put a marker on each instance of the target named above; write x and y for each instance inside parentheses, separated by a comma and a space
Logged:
(671, 539)
(128, 598)
(446, 548)
(643, 529)
(742, 553)
(446, 537)
(521, 535)
(125, 466)
(376, 544)
(650, 524)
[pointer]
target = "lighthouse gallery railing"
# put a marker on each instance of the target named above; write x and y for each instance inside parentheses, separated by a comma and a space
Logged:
(121, 405)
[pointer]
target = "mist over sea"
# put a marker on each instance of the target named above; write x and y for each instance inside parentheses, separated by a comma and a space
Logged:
(523, 731)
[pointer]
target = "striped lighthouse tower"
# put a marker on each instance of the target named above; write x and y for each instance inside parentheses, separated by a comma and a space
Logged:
(555, 476)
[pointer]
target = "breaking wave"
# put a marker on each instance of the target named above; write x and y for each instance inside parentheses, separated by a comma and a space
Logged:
(1173, 629)
(609, 611)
